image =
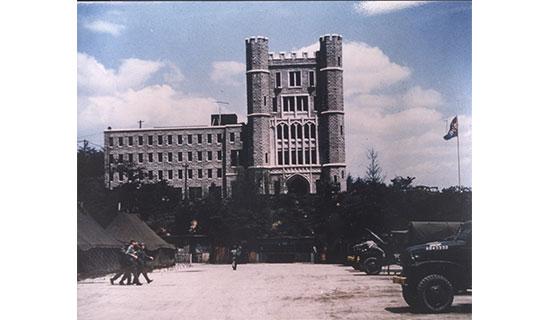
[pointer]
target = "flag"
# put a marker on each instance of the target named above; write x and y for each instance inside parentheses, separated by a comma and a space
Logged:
(453, 130)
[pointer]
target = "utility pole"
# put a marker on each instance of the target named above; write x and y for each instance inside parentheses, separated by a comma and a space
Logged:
(140, 122)
(186, 165)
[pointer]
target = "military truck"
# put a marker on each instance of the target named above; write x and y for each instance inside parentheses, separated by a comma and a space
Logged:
(435, 271)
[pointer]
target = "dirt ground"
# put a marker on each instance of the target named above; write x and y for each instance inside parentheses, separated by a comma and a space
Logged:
(254, 291)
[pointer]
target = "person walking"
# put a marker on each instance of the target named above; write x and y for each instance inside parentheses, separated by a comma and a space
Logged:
(142, 267)
(125, 265)
(235, 253)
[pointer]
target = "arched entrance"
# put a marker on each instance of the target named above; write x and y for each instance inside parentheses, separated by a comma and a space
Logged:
(297, 185)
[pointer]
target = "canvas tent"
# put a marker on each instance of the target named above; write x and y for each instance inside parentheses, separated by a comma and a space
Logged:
(98, 251)
(427, 231)
(126, 227)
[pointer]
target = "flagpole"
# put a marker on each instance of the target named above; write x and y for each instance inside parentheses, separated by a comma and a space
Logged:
(458, 153)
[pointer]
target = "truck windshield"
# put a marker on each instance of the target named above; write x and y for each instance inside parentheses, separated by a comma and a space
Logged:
(465, 232)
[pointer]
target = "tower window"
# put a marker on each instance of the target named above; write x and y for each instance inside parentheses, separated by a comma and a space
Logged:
(339, 62)
(111, 141)
(274, 105)
(295, 79)
(266, 159)
(277, 80)
(312, 79)
(279, 157)
(265, 100)
(342, 130)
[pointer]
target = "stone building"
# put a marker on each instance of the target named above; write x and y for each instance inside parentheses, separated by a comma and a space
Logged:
(293, 140)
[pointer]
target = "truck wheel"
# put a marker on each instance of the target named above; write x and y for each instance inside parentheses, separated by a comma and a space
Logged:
(372, 266)
(435, 294)
(410, 296)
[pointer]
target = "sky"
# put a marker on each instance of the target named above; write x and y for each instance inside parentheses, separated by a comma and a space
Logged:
(407, 72)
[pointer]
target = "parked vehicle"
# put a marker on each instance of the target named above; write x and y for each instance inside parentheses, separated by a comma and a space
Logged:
(435, 271)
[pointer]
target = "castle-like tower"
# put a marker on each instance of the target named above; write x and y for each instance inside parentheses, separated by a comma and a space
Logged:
(331, 110)
(295, 131)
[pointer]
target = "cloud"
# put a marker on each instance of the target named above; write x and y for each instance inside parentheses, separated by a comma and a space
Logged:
(122, 96)
(94, 78)
(372, 8)
(102, 26)
(229, 73)
(403, 121)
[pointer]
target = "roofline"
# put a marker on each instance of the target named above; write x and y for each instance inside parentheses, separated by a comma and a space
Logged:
(198, 127)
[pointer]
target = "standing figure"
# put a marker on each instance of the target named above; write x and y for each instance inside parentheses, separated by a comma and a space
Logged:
(235, 253)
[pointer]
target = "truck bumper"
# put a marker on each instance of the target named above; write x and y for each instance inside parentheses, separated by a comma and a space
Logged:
(399, 280)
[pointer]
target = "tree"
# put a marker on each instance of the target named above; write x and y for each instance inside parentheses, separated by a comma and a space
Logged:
(374, 171)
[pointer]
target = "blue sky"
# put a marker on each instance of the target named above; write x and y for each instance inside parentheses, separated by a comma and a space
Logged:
(409, 70)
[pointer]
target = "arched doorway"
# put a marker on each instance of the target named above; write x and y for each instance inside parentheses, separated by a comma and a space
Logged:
(297, 185)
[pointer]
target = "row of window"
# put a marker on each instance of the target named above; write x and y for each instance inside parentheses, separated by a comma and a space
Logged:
(297, 131)
(173, 174)
(294, 79)
(160, 139)
(160, 156)
(296, 157)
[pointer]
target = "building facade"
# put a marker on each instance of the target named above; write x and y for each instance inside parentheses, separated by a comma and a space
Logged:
(293, 140)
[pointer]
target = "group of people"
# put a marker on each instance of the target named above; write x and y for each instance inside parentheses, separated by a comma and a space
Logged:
(133, 261)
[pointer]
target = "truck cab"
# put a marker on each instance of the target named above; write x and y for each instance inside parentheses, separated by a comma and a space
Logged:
(434, 272)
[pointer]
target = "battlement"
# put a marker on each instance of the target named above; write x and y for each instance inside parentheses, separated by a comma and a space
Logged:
(290, 56)
(256, 39)
(330, 37)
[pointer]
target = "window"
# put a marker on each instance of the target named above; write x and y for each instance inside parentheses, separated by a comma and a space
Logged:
(279, 132)
(219, 138)
(140, 140)
(120, 141)
(169, 156)
(342, 130)
(312, 79)
(120, 158)
(335, 178)
(287, 157)
(150, 174)
(306, 131)
(342, 174)
(265, 100)
(180, 156)
(130, 141)
(339, 62)
(169, 139)
(150, 140)
(130, 157)
(160, 174)
(199, 138)
(199, 155)
(289, 104)
(293, 131)
(313, 156)
(209, 138)
(209, 155)
(295, 79)
(190, 174)
(293, 156)
(180, 139)
(266, 158)
(302, 103)
(279, 157)
(232, 137)
(111, 158)
(150, 155)
(234, 158)
(199, 173)
(189, 139)
(140, 157)
(277, 80)
(219, 172)
(307, 157)
(189, 156)
(159, 157)
(209, 173)
(219, 155)
(274, 104)
(170, 175)
(159, 140)
(180, 174)
(300, 156)
(313, 131)
(299, 131)
(111, 141)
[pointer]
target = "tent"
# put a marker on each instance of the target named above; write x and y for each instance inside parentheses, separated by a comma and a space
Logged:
(126, 227)
(98, 252)
(427, 231)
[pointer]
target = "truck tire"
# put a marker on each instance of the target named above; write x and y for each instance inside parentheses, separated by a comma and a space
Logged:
(410, 296)
(372, 266)
(435, 294)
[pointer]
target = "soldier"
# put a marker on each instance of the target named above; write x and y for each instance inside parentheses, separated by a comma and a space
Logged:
(125, 264)
(235, 253)
(142, 263)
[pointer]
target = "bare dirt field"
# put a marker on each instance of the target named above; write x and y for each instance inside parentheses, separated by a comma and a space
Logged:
(254, 291)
